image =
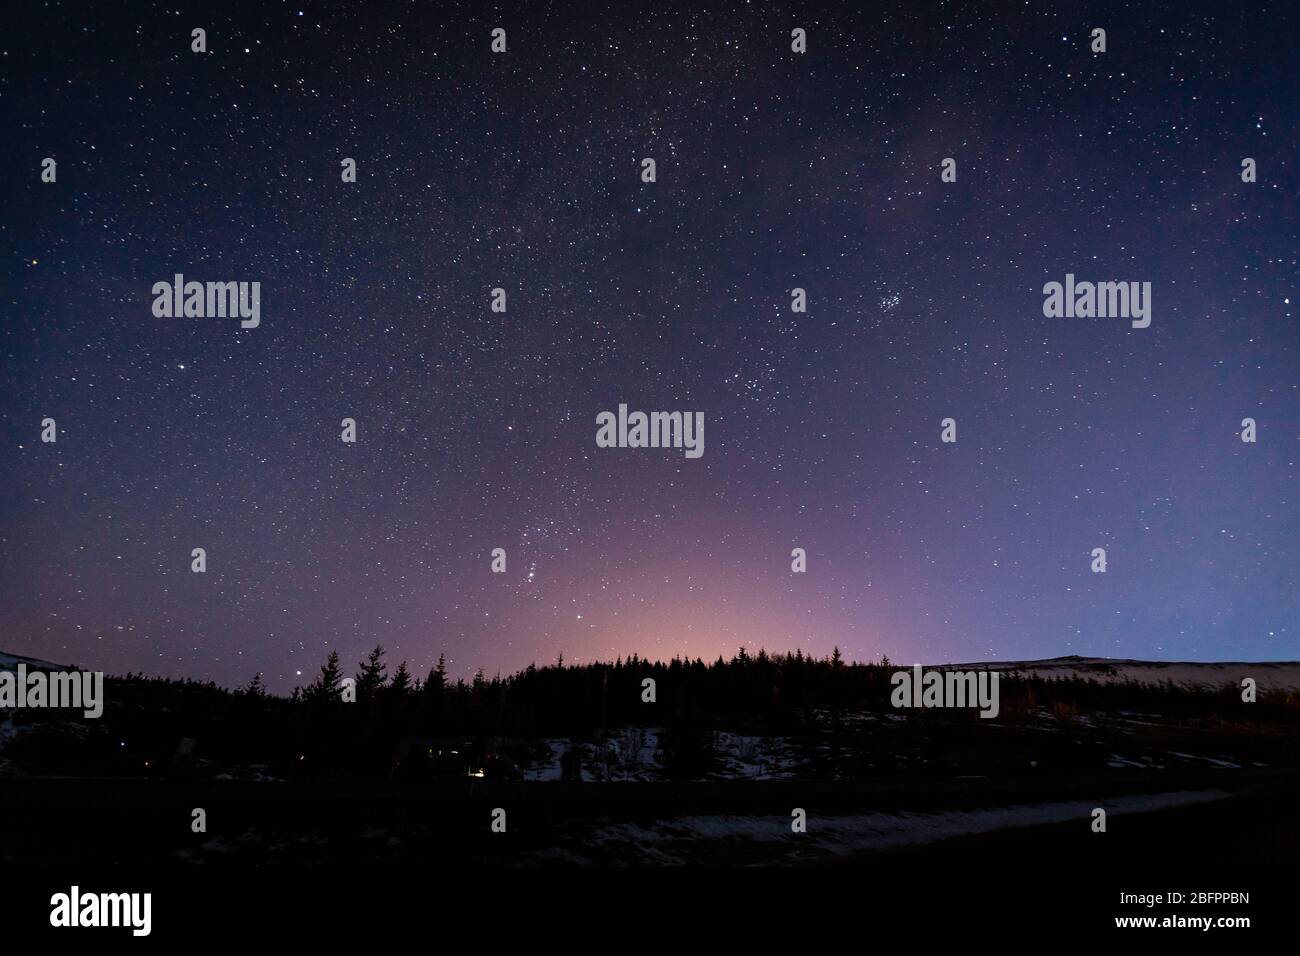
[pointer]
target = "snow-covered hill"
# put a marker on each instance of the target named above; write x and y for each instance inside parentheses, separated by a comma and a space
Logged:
(1269, 675)
(9, 662)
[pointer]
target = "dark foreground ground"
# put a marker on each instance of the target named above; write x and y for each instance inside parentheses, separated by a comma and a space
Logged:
(1201, 818)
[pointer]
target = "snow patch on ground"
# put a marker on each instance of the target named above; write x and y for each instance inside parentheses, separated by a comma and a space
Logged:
(671, 842)
(634, 754)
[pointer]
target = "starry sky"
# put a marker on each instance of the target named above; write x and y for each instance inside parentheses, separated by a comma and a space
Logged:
(476, 429)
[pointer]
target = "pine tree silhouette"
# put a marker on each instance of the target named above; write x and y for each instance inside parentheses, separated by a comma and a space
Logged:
(326, 685)
(371, 678)
(437, 677)
(401, 682)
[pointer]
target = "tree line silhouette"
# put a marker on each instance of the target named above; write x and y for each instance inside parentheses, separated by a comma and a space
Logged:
(328, 727)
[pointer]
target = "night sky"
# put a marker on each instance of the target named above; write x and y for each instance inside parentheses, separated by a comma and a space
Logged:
(476, 429)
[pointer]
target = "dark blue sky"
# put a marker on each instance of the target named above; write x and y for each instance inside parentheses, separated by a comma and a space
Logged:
(477, 430)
